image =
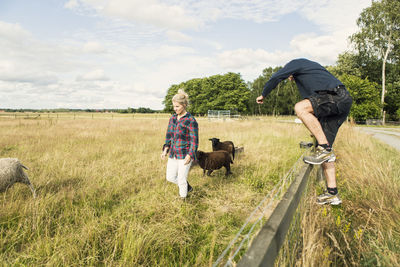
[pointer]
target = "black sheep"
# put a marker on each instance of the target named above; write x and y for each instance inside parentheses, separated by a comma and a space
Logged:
(211, 161)
(226, 145)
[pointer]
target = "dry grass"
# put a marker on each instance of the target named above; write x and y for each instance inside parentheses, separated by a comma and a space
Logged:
(103, 198)
(365, 229)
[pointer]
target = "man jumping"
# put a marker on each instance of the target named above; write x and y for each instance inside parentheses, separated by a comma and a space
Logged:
(325, 106)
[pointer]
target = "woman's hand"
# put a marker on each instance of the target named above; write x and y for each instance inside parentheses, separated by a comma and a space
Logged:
(187, 159)
(164, 153)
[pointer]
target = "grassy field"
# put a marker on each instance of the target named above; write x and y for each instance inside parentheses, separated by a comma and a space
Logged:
(365, 229)
(103, 199)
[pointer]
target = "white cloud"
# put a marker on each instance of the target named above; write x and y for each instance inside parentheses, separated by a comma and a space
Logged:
(178, 36)
(161, 52)
(336, 18)
(10, 32)
(71, 4)
(93, 47)
(95, 75)
(190, 14)
(256, 10)
(323, 48)
(250, 62)
(334, 15)
(153, 12)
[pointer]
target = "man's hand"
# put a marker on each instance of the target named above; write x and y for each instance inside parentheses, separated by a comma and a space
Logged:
(260, 99)
(187, 159)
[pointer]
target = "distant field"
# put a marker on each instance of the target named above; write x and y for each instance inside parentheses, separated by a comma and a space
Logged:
(103, 198)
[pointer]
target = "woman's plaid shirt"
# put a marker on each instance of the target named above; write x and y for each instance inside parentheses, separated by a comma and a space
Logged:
(182, 136)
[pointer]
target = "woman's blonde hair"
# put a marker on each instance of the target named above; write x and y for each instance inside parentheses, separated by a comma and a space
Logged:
(181, 97)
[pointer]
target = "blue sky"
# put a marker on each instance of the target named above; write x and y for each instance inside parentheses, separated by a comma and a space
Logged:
(120, 53)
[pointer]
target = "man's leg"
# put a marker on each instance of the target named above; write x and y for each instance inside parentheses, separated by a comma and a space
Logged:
(323, 152)
(330, 174)
(331, 195)
(305, 112)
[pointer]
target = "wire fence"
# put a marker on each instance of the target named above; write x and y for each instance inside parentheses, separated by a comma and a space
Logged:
(256, 219)
(293, 244)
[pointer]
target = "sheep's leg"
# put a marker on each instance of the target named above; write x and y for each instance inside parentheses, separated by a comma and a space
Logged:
(209, 172)
(228, 169)
(204, 172)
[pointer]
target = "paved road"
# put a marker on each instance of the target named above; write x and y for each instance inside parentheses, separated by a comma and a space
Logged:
(390, 136)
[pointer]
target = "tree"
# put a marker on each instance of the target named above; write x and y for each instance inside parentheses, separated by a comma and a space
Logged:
(379, 35)
(347, 63)
(365, 97)
(219, 92)
(392, 101)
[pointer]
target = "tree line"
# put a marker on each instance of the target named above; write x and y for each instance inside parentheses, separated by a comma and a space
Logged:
(370, 71)
(66, 110)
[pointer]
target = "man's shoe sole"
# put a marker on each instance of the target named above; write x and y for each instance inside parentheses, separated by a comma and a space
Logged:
(331, 203)
(315, 163)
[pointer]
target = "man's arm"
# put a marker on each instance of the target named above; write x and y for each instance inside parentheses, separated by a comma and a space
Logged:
(288, 70)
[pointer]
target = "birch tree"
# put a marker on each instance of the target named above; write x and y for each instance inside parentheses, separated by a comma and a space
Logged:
(379, 35)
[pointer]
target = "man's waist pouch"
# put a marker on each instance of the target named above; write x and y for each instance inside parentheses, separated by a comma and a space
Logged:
(333, 91)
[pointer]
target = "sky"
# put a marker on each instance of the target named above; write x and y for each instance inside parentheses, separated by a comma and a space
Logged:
(126, 53)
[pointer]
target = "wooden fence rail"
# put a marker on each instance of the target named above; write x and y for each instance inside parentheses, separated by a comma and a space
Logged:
(266, 245)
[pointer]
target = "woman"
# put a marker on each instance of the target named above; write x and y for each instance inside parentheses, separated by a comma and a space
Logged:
(181, 142)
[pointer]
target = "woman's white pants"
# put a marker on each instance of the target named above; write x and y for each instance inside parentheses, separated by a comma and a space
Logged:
(177, 173)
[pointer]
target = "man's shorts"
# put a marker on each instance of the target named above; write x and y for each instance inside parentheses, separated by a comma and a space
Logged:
(331, 108)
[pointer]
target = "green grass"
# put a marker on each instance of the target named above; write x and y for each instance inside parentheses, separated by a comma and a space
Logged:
(365, 229)
(103, 198)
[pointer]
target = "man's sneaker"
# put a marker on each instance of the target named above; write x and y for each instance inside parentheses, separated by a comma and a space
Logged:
(332, 159)
(189, 188)
(327, 198)
(320, 156)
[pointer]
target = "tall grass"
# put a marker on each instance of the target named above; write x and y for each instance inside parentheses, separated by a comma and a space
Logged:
(365, 229)
(103, 198)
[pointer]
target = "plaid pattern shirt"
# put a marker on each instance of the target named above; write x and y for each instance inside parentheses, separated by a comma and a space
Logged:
(182, 136)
